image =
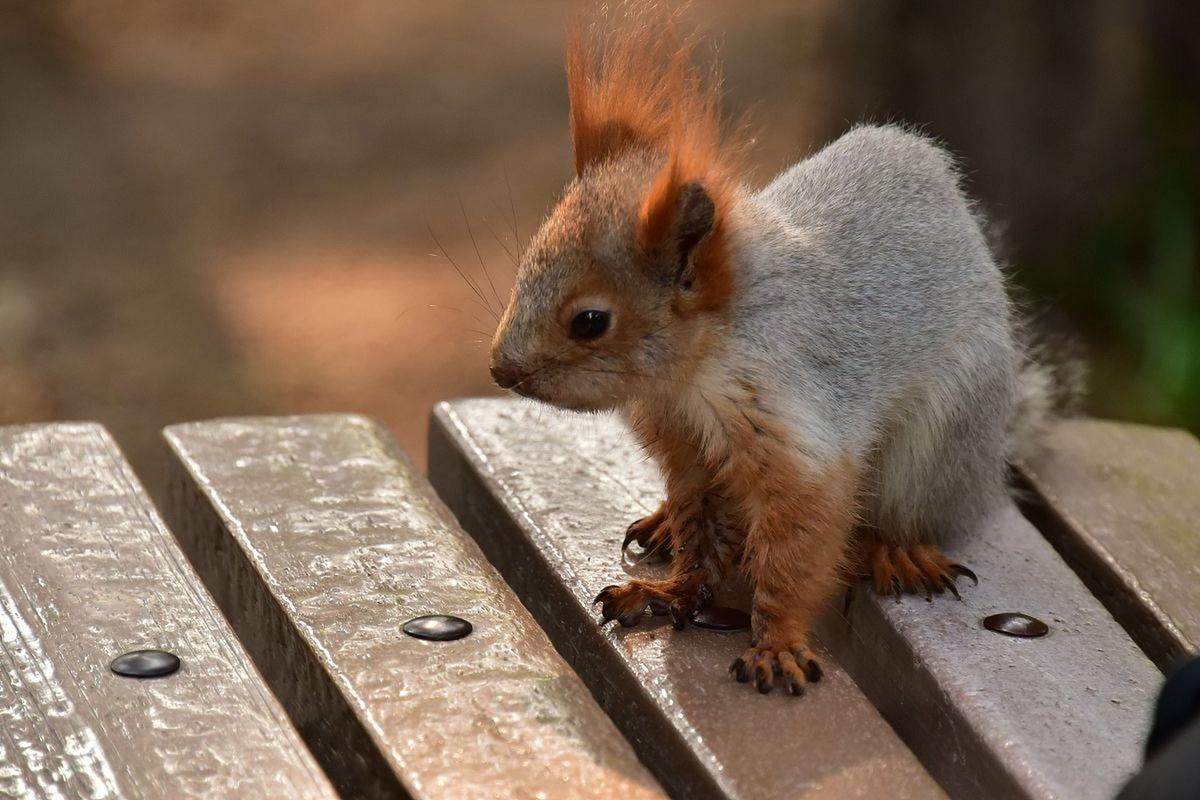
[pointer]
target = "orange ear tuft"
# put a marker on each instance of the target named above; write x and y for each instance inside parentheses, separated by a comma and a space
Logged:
(617, 102)
(633, 85)
(657, 214)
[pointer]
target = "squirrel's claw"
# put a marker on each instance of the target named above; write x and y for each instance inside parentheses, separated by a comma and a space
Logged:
(651, 533)
(678, 614)
(604, 593)
(763, 678)
(681, 609)
(959, 569)
(608, 611)
(631, 533)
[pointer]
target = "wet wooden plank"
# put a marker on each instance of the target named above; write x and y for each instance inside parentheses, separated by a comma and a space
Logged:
(319, 540)
(989, 716)
(1121, 502)
(87, 572)
(548, 497)
(996, 716)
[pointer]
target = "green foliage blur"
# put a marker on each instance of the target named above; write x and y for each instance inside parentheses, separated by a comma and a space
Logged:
(1130, 282)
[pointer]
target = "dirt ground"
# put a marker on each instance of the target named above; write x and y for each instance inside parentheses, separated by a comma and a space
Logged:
(227, 208)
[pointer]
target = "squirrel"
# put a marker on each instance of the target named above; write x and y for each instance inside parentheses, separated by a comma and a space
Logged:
(829, 370)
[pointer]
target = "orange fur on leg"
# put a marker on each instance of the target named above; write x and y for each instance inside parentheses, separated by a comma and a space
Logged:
(798, 521)
(793, 554)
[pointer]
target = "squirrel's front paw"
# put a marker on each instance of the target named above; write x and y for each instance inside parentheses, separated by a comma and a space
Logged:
(795, 666)
(628, 603)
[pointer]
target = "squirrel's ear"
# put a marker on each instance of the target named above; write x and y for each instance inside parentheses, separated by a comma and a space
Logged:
(680, 228)
(697, 216)
(675, 216)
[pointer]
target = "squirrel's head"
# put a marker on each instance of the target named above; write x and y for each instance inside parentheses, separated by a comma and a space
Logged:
(625, 281)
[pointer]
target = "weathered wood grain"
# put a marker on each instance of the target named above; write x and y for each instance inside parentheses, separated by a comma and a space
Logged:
(87, 572)
(993, 716)
(990, 716)
(548, 497)
(319, 540)
(1121, 502)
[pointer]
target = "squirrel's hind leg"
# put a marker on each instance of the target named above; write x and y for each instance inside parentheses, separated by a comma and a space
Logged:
(893, 569)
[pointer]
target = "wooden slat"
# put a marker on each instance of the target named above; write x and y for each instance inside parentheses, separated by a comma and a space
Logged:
(319, 540)
(87, 572)
(1122, 504)
(990, 716)
(548, 498)
(995, 716)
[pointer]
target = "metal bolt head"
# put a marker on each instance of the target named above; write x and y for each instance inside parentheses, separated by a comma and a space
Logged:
(721, 618)
(438, 627)
(145, 664)
(1013, 623)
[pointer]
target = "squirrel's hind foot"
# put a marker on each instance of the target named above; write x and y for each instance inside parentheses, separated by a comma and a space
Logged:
(916, 569)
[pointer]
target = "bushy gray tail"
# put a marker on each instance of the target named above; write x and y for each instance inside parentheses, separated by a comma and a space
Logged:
(1051, 383)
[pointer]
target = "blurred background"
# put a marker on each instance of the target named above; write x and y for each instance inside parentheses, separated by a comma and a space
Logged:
(216, 207)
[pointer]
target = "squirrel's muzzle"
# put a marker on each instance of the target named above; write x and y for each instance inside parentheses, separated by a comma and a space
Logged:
(507, 376)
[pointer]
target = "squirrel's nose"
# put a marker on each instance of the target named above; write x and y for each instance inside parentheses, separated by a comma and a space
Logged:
(506, 376)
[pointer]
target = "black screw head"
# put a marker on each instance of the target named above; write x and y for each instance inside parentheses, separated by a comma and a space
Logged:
(438, 627)
(145, 664)
(721, 618)
(1012, 623)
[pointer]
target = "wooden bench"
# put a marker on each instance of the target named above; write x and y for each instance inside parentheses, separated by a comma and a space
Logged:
(1122, 504)
(319, 540)
(88, 572)
(548, 497)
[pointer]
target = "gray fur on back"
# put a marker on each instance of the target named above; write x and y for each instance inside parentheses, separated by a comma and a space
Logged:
(870, 308)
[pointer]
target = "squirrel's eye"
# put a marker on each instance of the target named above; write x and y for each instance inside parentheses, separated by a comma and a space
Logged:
(589, 324)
